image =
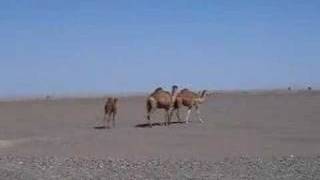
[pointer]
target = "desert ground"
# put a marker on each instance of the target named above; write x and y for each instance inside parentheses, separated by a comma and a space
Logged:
(245, 135)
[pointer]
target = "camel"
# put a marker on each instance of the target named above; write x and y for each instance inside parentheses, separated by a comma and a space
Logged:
(161, 99)
(110, 109)
(190, 100)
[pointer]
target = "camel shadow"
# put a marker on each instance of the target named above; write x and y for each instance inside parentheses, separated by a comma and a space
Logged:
(146, 125)
(100, 127)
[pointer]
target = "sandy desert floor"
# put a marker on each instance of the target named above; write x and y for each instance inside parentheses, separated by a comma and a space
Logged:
(239, 124)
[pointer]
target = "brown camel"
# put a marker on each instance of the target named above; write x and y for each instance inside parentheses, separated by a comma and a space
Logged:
(110, 109)
(189, 99)
(161, 99)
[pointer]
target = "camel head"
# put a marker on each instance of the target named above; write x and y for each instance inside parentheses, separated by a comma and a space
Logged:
(174, 92)
(115, 100)
(203, 96)
(204, 93)
(109, 99)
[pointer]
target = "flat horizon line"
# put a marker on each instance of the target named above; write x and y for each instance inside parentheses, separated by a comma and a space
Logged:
(56, 96)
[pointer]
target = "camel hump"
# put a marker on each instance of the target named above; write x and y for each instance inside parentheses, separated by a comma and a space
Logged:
(115, 100)
(184, 90)
(158, 89)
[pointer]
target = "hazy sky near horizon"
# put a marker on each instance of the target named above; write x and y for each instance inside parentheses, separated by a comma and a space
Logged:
(98, 46)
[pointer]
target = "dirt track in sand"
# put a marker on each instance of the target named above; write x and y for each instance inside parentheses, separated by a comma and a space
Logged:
(236, 124)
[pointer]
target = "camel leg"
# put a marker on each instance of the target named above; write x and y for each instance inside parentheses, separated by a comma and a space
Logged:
(177, 108)
(104, 120)
(178, 115)
(109, 119)
(150, 111)
(199, 114)
(188, 115)
(165, 118)
(168, 117)
(114, 119)
(151, 108)
(171, 114)
(149, 120)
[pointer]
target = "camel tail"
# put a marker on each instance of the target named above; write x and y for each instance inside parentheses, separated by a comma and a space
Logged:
(148, 108)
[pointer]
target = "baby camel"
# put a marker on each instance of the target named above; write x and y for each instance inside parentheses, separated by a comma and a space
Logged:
(189, 99)
(161, 99)
(110, 109)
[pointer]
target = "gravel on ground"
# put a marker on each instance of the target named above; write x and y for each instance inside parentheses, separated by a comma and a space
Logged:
(287, 167)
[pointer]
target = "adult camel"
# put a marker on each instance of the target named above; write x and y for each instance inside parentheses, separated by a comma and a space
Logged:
(190, 100)
(161, 99)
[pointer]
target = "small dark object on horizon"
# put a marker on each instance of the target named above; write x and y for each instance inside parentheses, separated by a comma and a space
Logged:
(309, 88)
(48, 97)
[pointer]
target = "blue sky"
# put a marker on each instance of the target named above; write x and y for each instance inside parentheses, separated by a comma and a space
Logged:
(101, 46)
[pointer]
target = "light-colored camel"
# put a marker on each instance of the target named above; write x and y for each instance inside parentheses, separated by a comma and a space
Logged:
(161, 99)
(190, 100)
(110, 110)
